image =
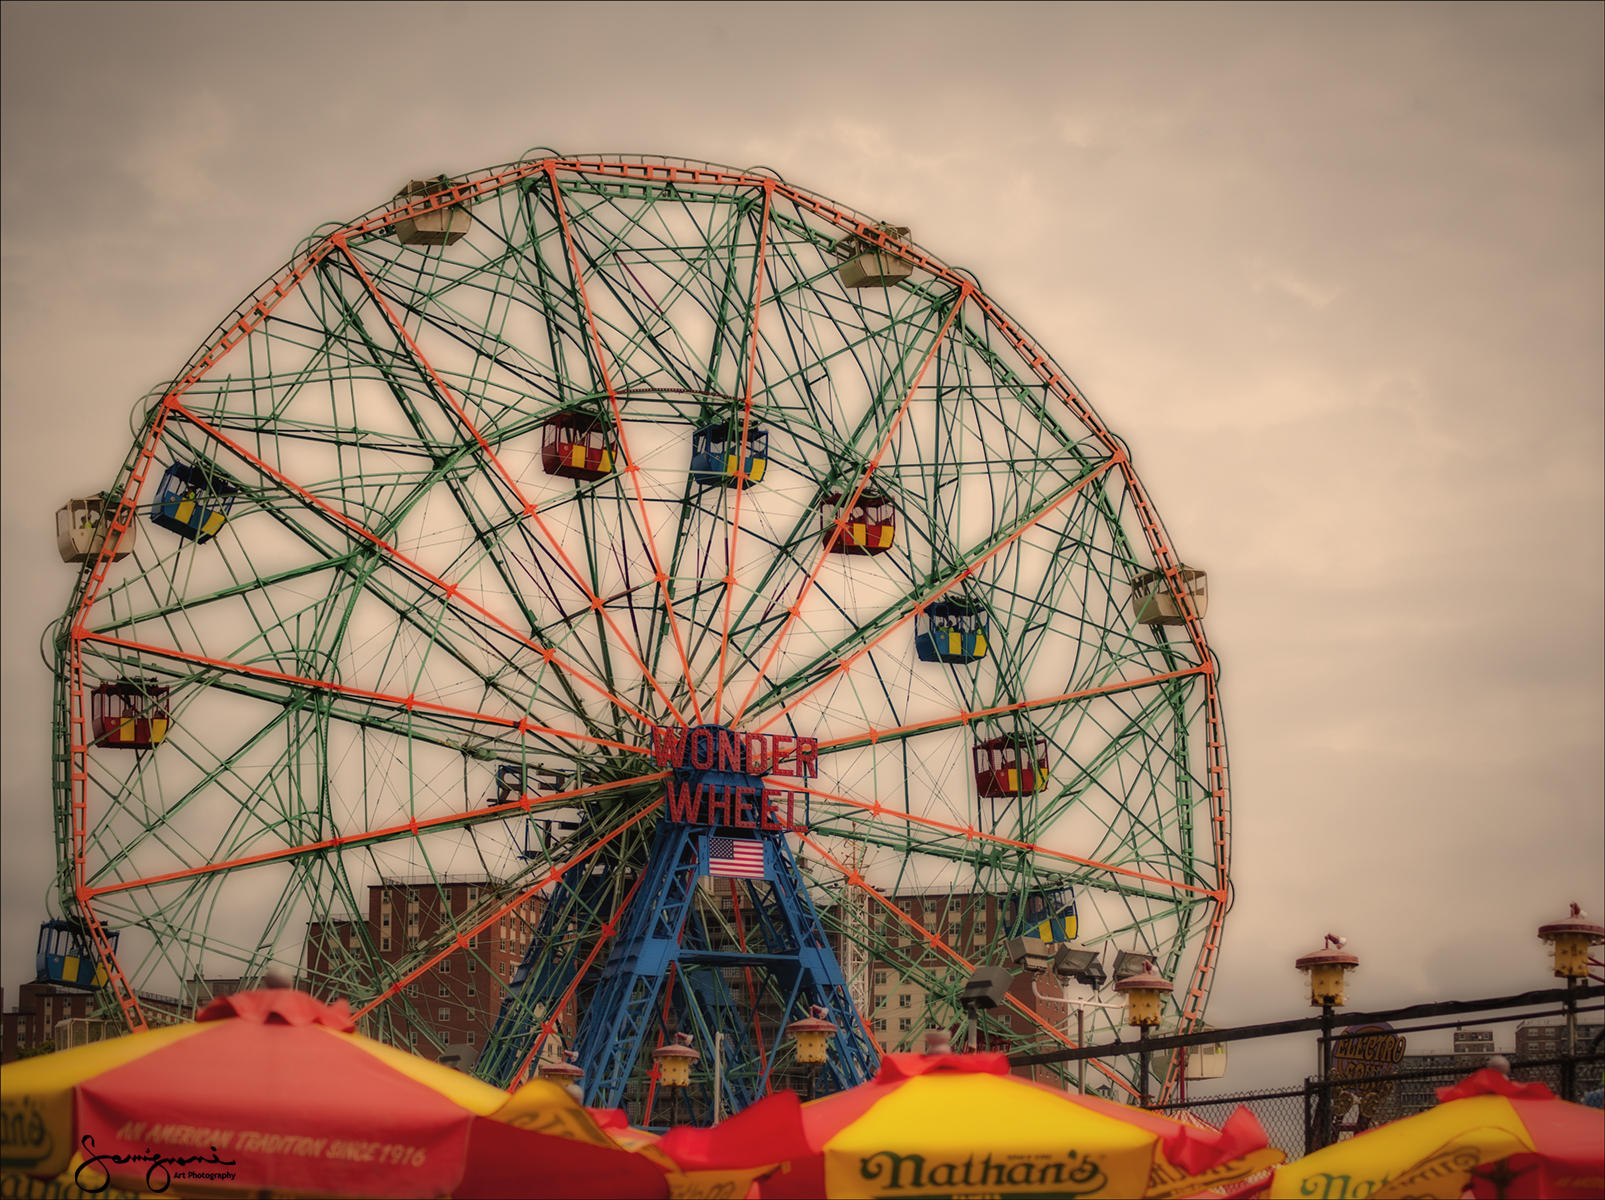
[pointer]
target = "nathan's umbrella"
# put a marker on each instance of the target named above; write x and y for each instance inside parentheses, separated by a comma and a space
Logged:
(275, 1091)
(951, 1124)
(1488, 1134)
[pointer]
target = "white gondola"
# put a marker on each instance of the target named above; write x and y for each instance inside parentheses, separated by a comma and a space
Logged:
(1155, 603)
(81, 526)
(866, 264)
(440, 227)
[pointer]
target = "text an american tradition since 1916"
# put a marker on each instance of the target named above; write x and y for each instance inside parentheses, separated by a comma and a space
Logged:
(718, 775)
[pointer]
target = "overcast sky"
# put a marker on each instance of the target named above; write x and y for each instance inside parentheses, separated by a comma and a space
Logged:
(1333, 273)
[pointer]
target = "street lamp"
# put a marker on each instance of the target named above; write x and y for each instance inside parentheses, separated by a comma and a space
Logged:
(983, 991)
(673, 1061)
(1328, 969)
(1571, 937)
(1032, 953)
(813, 1034)
(1145, 993)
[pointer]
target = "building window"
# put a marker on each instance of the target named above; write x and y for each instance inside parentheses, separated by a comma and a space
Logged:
(445, 967)
(470, 1037)
(444, 990)
(384, 943)
(904, 1024)
(412, 896)
(473, 941)
(904, 1000)
(473, 893)
(880, 1024)
(385, 921)
(473, 965)
(880, 978)
(471, 991)
(445, 1014)
(412, 1038)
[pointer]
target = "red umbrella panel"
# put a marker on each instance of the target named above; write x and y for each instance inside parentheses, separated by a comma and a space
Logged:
(274, 1091)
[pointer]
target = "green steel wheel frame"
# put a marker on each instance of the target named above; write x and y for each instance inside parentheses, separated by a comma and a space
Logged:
(403, 601)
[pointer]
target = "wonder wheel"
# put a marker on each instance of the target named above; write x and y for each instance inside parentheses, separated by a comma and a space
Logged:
(707, 606)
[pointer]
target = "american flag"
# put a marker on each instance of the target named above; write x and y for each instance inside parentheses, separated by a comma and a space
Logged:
(741, 858)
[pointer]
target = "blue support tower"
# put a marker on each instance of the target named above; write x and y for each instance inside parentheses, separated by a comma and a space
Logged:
(720, 940)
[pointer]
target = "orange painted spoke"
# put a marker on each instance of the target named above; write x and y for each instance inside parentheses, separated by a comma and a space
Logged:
(660, 576)
(446, 590)
(415, 826)
(741, 459)
(406, 703)
(872, 736)
(921, 602)
(971, 833)
(461, 940)
(528, 507)
(863, 482)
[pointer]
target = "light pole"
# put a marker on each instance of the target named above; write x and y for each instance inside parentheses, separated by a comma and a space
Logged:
(1328, 970)
(1571, 937)
(1071, 964)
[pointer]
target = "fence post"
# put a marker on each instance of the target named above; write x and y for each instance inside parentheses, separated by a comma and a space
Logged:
(1568, 1068)
(1309, 1117)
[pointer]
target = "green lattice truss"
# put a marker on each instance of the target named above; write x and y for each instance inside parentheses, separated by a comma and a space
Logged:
(403, 599)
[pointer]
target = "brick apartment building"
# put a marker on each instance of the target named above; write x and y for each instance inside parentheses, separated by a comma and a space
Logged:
(899, 1013)
(451, 1007)
(40, 1008)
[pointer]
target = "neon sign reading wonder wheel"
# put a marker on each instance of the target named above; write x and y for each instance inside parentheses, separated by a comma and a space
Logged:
(725, 583)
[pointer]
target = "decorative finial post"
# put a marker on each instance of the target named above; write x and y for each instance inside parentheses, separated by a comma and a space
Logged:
(1145, 995)
(1328, 969)
(1571, 937)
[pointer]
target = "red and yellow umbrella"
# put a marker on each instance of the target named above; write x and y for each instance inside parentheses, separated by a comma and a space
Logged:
(274, 1091)
(1488, 1137)
(952, 1124)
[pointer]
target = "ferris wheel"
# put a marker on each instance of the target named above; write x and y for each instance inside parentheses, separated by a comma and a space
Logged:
(723, 579)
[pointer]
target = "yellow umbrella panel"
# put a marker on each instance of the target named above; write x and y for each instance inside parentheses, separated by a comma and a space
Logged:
(1490, 1137)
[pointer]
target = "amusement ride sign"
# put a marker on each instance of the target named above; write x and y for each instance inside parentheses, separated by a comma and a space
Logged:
(718, 776)
(1364, 1052)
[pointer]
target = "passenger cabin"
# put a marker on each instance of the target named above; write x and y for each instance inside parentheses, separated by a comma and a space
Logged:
(1012, 765)
(1050, 916)
(714, 458)
(66, 956)
(865, 263)
(951, 631)
(130, 714)
(870, 525)
(193, 501)
(1154, 603)
(81, 526)
(438, 227)
(577, 445)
